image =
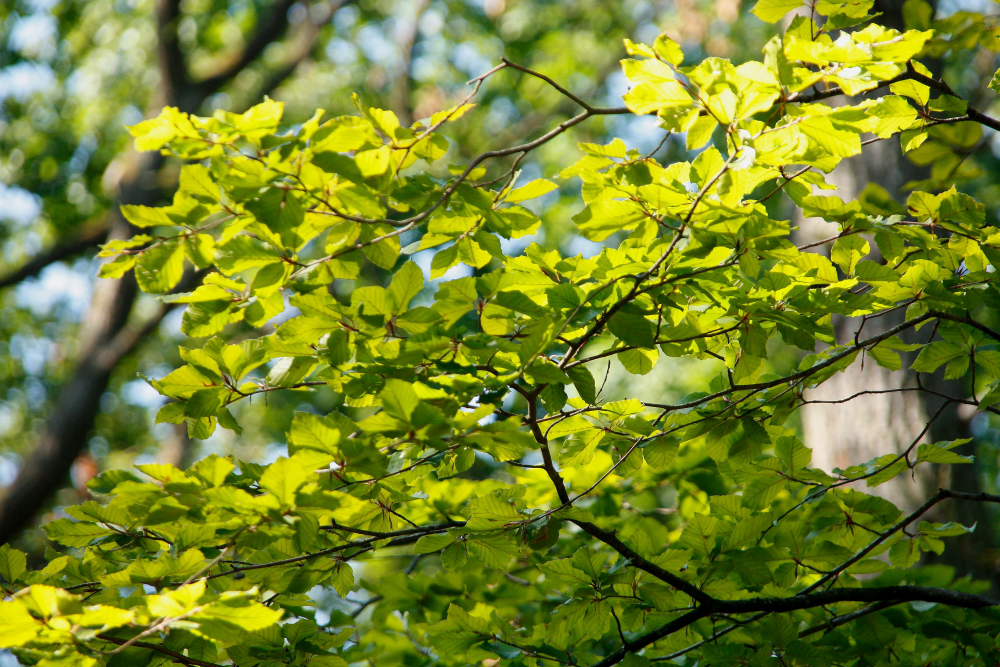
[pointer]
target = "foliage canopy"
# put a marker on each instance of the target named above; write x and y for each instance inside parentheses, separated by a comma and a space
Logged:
(476, 494)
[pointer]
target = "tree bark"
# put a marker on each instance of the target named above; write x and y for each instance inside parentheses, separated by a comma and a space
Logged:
(105, 335)
(874, 424)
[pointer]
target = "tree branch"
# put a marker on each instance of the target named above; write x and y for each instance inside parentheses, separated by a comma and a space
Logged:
(88, 238)
(837, 621)
(268, 31)
(638, 561)
(979, 326)
(306, 40)
(942, 494)
(874, 594)
(799, 375)
(179, 658)
(109, 340)
(659, 633)
(174, 77)
(886, 595)
(397, 538)
(403, 90)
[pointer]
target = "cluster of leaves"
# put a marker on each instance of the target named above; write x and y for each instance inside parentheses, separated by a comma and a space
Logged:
(474, 494)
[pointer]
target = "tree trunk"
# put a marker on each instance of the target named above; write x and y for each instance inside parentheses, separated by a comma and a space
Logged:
(874, 424)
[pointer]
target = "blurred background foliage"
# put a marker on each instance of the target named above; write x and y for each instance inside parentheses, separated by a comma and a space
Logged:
(74, 74)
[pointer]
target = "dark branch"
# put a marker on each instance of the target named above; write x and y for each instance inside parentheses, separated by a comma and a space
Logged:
(874, 594)
(172, 63)
(66, 432)
(88, 238)
(305, 40)
(268, 31)
(942, 494)
(403, 89)
(979, 326)
(179, 658)
(396, 538)
(837, 621)
(800, 374)
(659, 633)
(885, 596)
(643, 564)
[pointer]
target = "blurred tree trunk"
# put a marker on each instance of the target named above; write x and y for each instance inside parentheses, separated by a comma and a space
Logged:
(890, 420)
(108, 333)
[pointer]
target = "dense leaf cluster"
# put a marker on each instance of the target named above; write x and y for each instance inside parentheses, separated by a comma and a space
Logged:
(476, 495)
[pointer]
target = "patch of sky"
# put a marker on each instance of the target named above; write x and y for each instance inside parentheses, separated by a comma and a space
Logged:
(99, 447)
(142, 394)
(424, 67)
(423, 259)
(467, 58)
(647, 32)
(342, 52)
(640, 132)
(34, 36)
(616, 85)
(377, 48)
(81, 156)
(346, 17)
(502, 113)
(577, 245)
(34, 390)
(172, 322)
(25, 79)
(58, 286)
(18, 206)
(946, 8)
(515, 247)
(8, 473)
(32, 351)
(431, 22)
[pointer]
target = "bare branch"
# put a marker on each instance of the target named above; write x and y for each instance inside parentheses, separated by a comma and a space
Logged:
(837, 621)
(306, 39)
(645, 640)
(86, 239)
(407, 39)
(942, 494)
(887, 595)
(176, 657)
(174, 77)
(638, 561)
(66, 431)
(268, 31)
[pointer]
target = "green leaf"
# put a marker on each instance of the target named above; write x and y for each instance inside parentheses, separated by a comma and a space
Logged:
(284, 478)
(373, 162)
(668, 50)
(406, 284)
(532, 190)
(639, 361)
(584, 383)
(311, 431)
(941, 452)
(432, 543)
(887, 358)
(399, 399)
(13, 563)
(773, 11)
(160, 268)
(213, 469)
(633, 328)
(933, 355)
